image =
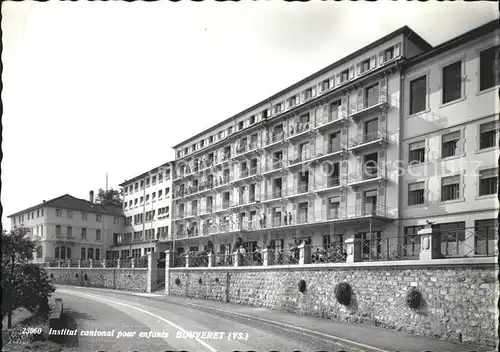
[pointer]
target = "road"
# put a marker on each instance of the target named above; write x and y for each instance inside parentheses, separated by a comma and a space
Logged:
(129, 316)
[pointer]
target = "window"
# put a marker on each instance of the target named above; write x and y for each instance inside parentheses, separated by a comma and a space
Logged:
(365, 65)
(84, 215)
(98, 218)
(485, 235)
(39, 252)
(229, 130)
(277, 108)
(308, 93)
(452, 232)
(153, 180)
(70, 214)
(344, 76)
(58, 230)
(416, 153)
(489, 68)
(38, 213)
(411, 241)
(202, 143)
(193, 147)
(450, 144)
(418, 88)
(69, 229)
(82, 253)
(210, 139)
(488, 181)
(125, 190)
(147, 198)
(325, 85)
(371, 130)
(389, 54)
(450, 188)
(84, 233)
(97, 235)
(240, 125)
(160, 193)
(452, 82)
(488, 134)
(292, 101)
(142, 200)
(90, 253)
(167, 191)
(372, 95)
(416, 193)
(97, 254)
(58, 212)
(264, 114)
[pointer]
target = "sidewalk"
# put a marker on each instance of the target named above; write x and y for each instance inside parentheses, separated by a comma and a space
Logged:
(361, 336)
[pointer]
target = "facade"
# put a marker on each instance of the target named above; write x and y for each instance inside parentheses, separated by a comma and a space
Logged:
(451, 142)
(310, 163)
(70, 228)
(147, 204)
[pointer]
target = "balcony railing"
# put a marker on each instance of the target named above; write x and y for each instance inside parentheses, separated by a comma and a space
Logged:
(275, 138)
(251, 259)
(330, 182)
(298, 189)
(299, 158)
(275, 165)
(333, 118)
(366, 106)
(334, 252)
(224, 259)
(202, 187)
(472, 241)
(369, 173)
(363, 139)
(252, 171)
(65, 237)
(389, 248)
(288, 256)
(298, 128)
(275, 194)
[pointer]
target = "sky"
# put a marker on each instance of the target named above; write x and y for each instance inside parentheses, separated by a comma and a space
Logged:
(91, 88)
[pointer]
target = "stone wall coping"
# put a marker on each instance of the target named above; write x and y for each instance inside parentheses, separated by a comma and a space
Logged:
(75, 268)
(436, 263)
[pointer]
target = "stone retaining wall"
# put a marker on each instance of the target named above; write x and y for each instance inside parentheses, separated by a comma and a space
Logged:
(112, 278)
(459, 301)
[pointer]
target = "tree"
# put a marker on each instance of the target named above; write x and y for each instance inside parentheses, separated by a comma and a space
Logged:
(109, 197)
(23, 285)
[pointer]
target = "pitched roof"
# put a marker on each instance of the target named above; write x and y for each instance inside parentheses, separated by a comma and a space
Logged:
(69, 202)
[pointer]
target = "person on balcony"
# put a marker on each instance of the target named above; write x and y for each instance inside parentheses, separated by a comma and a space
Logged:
(289, 218)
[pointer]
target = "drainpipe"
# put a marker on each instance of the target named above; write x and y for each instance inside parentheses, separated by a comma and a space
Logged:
(401, 147)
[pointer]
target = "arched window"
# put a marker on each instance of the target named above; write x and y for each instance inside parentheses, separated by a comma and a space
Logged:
(97, 254)
(62, 252)
(70, 231)
(39, 252)
(82, 254)
(57, 253)
(58, 230)
(68, 252)
(90, 253)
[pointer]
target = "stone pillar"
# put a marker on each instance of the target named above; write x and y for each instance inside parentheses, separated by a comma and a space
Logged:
(268, 256)
(59, 264)
(79, 263)
(211, 259)
(91, 263)
(168, 263)
(152, 271)
(353, 248)
(430, 243)
(304, 253)
(69, 263)
(118, 262)
(188, 260)
(103, 263)
(132, 261)
(236, 258)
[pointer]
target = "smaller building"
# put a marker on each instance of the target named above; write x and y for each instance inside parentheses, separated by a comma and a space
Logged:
(147, 204)
(67, 227)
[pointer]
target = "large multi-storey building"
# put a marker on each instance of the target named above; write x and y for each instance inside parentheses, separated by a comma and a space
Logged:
(450, 145)
(147, 202)
(70, 228)
(310, 163)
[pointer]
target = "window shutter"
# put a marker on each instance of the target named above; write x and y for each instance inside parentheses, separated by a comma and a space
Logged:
(337, 78)
(383, 90)
(373, 62)
(359, 100)
(314, 91)
(489, 126)
(382, 123)
(343, 138)
(381, 161)
(417, 145)
(489, 173)
(351, 72)
(358, 200)
(343, 106)
(360, 127)
(358, 69)
(332, 82)
(298, 100)
(381, 58)
(325, 113)
(381, 196)
(446, 181)
(397, 50)
(359, 166)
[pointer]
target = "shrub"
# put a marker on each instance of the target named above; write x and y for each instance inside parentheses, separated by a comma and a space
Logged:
(413, 298)
(177, 281)
(199, 281)
(343, 293)
(216, 279)
(302, 286)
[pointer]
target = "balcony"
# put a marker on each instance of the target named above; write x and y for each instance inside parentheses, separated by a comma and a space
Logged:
(336, 148)
(222, 207)
(336, 119)
(370, 174)
(331, 183)
(222, 182)
(298, 190)
(226, 227)
(244, 202)
(65, 238)
(357, 212)
(368, 140)
(275, 139)
(274, 195)
(298, 159)
(252, 225)
(248, 174)
(300, 130)
(247, 149)
(376, 103)
(273, 167)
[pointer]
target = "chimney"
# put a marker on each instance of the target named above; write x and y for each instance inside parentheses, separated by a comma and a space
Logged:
(91, 196)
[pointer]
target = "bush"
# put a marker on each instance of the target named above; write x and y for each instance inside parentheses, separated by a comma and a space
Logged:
(413, 298)
(177, 281)
(216, 279)
(343, 293)
(199, 281)
(302, 286)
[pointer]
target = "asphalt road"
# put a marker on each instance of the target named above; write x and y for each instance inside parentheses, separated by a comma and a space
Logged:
(141, 324)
